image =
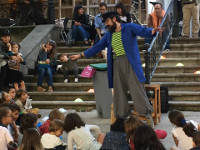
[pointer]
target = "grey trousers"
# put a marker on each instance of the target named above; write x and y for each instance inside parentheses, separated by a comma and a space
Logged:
(126, 80)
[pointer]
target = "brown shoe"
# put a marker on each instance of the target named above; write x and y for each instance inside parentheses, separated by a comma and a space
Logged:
(50, 89)
(40, 89)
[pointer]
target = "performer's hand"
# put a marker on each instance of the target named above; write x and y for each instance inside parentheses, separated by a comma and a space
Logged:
(156, 30)
(75, 57)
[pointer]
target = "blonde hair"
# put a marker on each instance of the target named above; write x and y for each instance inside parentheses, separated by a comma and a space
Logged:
(55, 125)
(56, 114)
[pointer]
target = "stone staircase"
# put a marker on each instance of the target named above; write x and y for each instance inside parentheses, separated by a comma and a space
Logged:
(181, 81)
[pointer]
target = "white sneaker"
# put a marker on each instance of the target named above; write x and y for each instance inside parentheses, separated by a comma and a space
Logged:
(66, 81)
(76, 80)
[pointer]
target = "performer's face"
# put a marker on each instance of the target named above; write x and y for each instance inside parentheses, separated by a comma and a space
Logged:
(111, 25)
(5, 39)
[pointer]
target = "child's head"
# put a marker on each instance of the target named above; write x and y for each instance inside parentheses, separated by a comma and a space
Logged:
(6, 98)
(22, 95)
(29, 120)
(118, 125)
(131, 124)
(196, 139)
(145, 138)
(176, 117)
(56, 127)
(72, 121)
(5, 36)
(5, 116)
(15, 111)
(31, 140)
(50, 45)
(15, 47)
(11, 91)
(56, 114)
(63, 57)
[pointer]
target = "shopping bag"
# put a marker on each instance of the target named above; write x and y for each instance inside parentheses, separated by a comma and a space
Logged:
(88, 72)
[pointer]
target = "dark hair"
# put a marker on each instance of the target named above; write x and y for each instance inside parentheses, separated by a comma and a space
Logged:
(20, 92)
(176, 117)
(31, 140)
(118, 125)
(103, 4)
(5, 32)
(145, 138)
(72, 120)
(55, 125)
(3, 112)
(19, 46)
(75, 13)
(196, 138)
(61, 55)
(27, 121)
(3, 96)
(121, 5)
(131, 124)
(55, 114)
(52, 53)
(158, 3)
(14, 107)
(8, 89)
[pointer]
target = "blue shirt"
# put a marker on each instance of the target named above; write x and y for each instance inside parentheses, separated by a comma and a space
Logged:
(130, 31)
(99, 24)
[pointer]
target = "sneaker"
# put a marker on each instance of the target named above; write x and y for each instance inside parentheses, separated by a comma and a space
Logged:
(40, 89)
(66, 81)
(167, 49)
(76, 80)
(149, 121)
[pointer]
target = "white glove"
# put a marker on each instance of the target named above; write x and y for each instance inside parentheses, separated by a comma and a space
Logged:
(59, 67)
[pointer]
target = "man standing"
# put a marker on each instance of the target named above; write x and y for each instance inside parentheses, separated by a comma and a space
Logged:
(190, 11)
(125, 71)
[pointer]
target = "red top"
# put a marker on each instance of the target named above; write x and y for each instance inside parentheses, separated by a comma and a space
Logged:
(44, 128)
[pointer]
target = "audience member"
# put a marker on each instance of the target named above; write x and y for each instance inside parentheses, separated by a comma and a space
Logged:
(6, 98)
(5, 52)
(121, 10)
(99, 24)
(68, 66)
(29, 120)
(155, 19)
(145, 139)
(183, 130)
(47, 64)
(190, 10)
(31, 140)
(11, 91)
(80, 26)
(51, 139)
(54, 114)
(5, 117)
(116, 138)
(80, 134)
(15, 75)
(22, 100)
(196, 141)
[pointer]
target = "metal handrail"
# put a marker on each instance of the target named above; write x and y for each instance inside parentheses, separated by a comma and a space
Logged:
(156, 48)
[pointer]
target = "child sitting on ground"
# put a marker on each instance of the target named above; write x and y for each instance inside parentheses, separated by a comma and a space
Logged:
(183, 131)
(68, 66)
(80, 134)
(51, 139)
(196, 141)
(24, 102)
(14, 63)
(5, 97)
(54, 114)
(11, 91)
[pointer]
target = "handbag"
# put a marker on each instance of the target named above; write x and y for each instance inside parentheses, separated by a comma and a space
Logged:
(88, 72)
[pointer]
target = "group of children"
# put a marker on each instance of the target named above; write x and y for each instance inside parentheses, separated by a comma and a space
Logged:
(125, 133)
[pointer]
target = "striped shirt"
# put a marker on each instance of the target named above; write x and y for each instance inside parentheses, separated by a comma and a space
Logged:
(117, 44)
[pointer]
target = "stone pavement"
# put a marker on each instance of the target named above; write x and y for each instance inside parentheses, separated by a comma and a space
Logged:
(104, 124)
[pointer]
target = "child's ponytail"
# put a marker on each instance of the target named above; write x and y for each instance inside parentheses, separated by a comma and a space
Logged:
(188, 127)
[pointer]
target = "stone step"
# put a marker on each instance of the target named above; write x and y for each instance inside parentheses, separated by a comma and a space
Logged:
(173, 61)
(176, 77)
(184, 47)
(65, 49)
(63, 86)
(184, 40)
(185, 105)
(85, 62)
(177, 69)
(185, 96)
(61, 96)
(180, 86)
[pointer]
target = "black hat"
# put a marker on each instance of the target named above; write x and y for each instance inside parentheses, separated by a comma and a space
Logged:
(110, 14)
(5, 32)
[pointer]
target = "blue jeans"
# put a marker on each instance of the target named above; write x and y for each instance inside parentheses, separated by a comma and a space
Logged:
(79, 33)
(42, 72)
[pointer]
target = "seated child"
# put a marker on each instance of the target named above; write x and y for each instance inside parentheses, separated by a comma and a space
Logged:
(182, 133)
(196, 141)
(79, 133)
(68, 66)
(5, 97)
(51, 139)
(11, 91)
(54, 114)
(24, 102)
(14, 63)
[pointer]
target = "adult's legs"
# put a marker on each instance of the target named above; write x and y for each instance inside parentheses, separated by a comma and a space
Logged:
(41, 74)
(74, 33)
(49, 76)
(3, 76)
(186, 19)
(195, 20)
(85, 35)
